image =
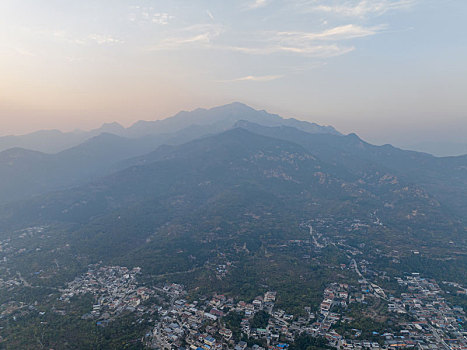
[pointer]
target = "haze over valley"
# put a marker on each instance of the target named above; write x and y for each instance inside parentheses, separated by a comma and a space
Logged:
(229, 200)
(325, 208)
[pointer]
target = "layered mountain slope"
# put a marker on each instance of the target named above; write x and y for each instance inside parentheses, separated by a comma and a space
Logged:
(24, 173)
(53, 141)
(279, 208)
(181, 127)
(216, 172)
(222, 118)
(103, 148)
(444, 177)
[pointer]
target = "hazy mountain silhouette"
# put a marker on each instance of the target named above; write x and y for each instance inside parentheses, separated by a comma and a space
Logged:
(199, 122)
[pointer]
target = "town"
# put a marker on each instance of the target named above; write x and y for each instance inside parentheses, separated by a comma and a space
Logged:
(222, 322)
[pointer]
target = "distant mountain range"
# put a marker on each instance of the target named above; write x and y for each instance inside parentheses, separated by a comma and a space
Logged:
(112, 148)
(277, 173)
(174, 157)
(239, 182)
(26, 171)
(283, 205)
(183, 124)
(439, 148)
(53, 141)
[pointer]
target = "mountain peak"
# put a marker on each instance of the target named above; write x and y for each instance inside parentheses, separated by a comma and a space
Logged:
(20, 153)
(183, 126)
(221, 118)
(112, 128)
(236, 105)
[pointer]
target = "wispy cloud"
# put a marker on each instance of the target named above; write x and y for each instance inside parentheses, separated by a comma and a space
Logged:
(149, 14)
(197, 35)
(210, 15)
(318, 51)
(257, 4)
(310, 44)
(91, 39)
(253, 78)
(345, 32)
(362, 8)
(101, 39)
(318, 44)
(296, 43)
(161, 18)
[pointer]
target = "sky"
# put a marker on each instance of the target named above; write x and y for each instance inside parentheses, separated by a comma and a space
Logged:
(393, 71)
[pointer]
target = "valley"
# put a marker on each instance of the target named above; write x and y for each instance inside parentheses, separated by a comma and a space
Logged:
(275, 235)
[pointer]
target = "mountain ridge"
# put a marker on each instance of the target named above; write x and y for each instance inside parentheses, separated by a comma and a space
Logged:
(215, 119)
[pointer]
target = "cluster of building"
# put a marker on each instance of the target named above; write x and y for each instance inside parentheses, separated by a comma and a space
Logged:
(335, 295)
(366, 287)
(460, 290)
(10, 282)
(114, 289)
(222, 270)
(434, 325)
(336, 298)
(437, 324)
(182, 323)
(199, 324)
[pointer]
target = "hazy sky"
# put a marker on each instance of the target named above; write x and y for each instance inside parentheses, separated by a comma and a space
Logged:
(387, 69)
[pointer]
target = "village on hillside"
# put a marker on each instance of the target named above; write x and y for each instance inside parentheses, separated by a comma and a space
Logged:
(221, 322)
